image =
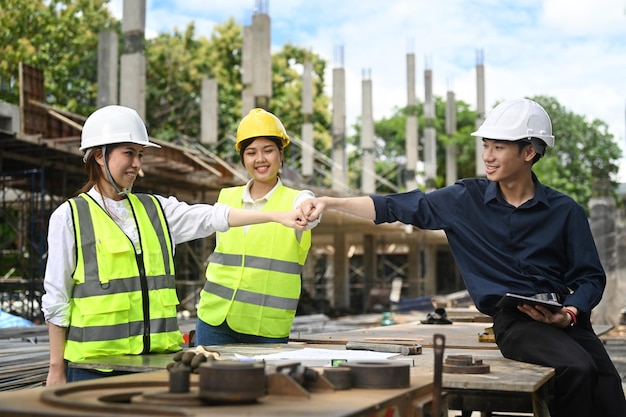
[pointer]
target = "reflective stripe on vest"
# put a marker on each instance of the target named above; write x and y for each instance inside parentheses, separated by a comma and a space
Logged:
(253, 279)
(256, 262)
(251, 297)
(113, 313)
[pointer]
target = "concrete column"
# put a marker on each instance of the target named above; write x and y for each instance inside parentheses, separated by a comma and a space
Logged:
(247, 96)
(430, 269)
(430, 145)
(451, 148)
(107, 68)
(368, 173)
(480, 111)
(262, 65)
(339, 170)
(411, 125)
(208, 111)
(370, 260)
(341, 276)
(413, 270)
(133, 61)
(603, 228)
(307, 125)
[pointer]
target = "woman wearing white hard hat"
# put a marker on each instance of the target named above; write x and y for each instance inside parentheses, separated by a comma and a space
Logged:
(109, 280)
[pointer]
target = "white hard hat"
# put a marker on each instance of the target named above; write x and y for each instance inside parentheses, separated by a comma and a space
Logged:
(114, 124)
(517, 119)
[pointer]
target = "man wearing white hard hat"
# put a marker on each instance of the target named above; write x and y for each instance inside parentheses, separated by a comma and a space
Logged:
(511, 234)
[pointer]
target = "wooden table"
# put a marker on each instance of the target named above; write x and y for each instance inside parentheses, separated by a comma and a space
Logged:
(128, 396)
(510, 386)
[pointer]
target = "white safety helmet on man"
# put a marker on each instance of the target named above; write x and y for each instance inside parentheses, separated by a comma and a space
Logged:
(260, 123)
(518, 119)
(114, 124)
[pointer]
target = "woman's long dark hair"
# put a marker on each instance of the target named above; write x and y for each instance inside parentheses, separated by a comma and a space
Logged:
(95, 175)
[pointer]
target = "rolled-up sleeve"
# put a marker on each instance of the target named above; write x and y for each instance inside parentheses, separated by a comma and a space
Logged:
(58, 282)
(194, 221)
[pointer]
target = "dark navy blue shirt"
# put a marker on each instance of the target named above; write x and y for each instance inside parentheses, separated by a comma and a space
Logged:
(544, 245)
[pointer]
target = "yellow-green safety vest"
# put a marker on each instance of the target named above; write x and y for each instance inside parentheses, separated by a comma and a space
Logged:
(123, 302)
(253, 279)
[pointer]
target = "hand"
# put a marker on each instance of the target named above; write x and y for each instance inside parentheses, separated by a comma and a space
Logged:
(56, 375)
(294, 219)
(559, 319)
(193, 358)
(312, 208)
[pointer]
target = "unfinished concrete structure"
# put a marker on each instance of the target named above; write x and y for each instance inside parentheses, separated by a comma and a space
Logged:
(107, 68)
(411, 127)
(368, 169)
(480, 111)
(451, 149)
(209, 112)
(308, 148)
(339, 168)
(430, 135)
(133, 60)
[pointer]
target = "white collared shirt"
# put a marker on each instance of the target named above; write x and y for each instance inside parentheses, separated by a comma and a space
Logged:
(185, 221)
(250, 204)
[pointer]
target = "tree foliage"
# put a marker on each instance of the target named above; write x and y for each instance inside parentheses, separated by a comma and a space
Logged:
(61, 38)
(286, 101)
(584, 159)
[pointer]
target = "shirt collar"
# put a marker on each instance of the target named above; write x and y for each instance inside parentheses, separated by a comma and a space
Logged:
(247, 198)
(540, 192)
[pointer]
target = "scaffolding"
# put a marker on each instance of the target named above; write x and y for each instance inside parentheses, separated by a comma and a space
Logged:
(24, 209)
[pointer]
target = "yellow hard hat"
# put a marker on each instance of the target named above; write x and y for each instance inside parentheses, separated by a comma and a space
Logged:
(260, 123)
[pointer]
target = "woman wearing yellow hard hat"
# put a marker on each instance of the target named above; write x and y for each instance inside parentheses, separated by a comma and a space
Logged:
(253, 277)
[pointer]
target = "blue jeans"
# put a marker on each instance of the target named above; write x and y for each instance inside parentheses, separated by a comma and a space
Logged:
(80, 374)
(208, 335)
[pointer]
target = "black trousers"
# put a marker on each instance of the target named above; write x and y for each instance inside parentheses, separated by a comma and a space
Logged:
(586, 381)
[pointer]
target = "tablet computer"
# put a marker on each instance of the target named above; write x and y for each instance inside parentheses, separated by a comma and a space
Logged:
(513, 300)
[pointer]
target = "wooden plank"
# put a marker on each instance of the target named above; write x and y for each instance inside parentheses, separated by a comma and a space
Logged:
(458, 335)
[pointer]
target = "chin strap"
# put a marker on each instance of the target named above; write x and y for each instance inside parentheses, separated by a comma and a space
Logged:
(120, 191)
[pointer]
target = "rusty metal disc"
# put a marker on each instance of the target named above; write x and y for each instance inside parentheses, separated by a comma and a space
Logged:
(177, 399)
(464, 364)
(377, 375)
(232, 382)
(339, 376)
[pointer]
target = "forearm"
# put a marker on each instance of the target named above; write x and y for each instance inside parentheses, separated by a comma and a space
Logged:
(56, 335)
(239, 217)
(56, 372)
(356, 206)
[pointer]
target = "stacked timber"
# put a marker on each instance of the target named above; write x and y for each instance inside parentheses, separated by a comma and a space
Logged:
(24, 357)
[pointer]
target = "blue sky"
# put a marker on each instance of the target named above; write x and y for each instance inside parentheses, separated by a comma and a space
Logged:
(573, 50)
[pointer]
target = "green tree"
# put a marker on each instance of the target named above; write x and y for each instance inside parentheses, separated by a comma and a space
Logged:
(61, 38)
(286, 101)
(177, 63)
(584, 160)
